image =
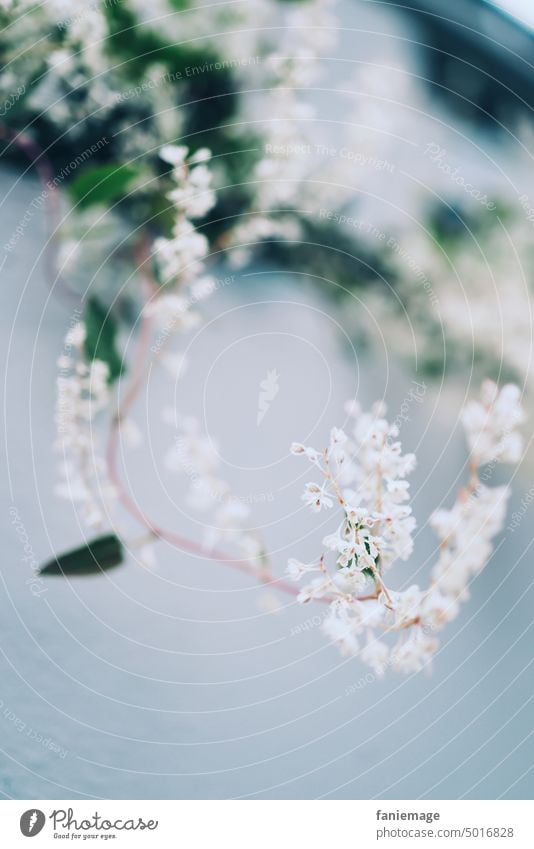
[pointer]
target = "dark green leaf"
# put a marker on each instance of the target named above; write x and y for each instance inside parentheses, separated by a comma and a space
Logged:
(101, 337)
(102, 184)
(94, 557)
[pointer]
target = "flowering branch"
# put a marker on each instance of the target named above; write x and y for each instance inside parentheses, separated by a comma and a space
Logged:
(365, 474)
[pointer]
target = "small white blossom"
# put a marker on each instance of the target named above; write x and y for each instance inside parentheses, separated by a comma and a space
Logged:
(406, 605)
(82, 393)
(437, 609)
(316, 497)
(490, 424)
(312, 455)
(318, 588)
(296, 569)
(340, 632)
(411, 654)
(174, 154)
(375, 654)
(338, 439)
(350, 580)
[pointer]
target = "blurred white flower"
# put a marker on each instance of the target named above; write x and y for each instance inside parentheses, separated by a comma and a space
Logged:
(375, 654)
(82, 393)
(130, 433)
(491, 422)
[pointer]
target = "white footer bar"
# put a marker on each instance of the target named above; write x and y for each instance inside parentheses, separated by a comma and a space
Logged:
(268, 824)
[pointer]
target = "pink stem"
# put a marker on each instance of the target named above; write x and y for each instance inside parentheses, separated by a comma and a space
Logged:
(42, 165)
(142, 256)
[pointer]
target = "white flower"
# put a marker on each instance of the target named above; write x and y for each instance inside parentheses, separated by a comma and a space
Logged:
(443, 522)
(76, 335)
(203, 154)
(82, 393)
(466, 532)
(340, 629)
(249, 545)
(340, 633)
(339, 540)
(413, 652)
(172, 312)
(356, 514)
(510, 448)
(350, 580)
(318, 588)
(437, 609)
(180, 258)
(130, 433)
(398, 490)
(312, 455)
(406, 605)
(174, 154)
(203, 287)
(296, 569)
(375, 654)
(490, 424)
(98, 376)
(338, 440)
(377, 529)
(316, 497)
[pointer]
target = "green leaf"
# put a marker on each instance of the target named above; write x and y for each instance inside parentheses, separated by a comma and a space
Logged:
(102, 184)
(101, 337)
(94, 557)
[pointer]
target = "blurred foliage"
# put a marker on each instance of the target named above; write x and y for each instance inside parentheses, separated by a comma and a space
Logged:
(328, 252)
(101, 337)
(102, 184)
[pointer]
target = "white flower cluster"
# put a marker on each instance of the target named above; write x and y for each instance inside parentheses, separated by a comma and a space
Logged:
(490, 314)
(180, 257)
(364, 473)
(490, 424)
(288, 173)
(181, 260)
(82, 392)
(195, 456)
(466, 531)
